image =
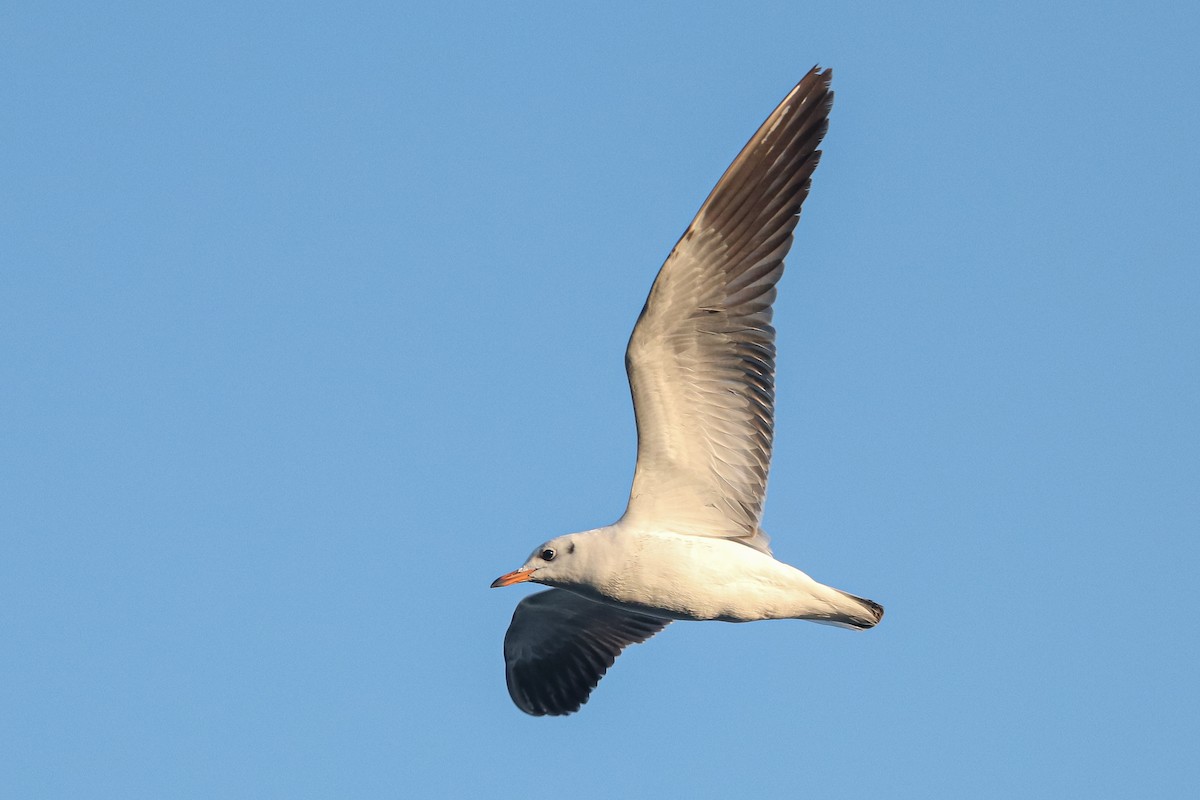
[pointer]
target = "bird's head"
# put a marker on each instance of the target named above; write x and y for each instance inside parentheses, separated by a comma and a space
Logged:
(555, 563)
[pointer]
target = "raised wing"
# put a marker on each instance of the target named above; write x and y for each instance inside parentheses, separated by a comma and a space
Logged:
(701, 360)
(559, 645)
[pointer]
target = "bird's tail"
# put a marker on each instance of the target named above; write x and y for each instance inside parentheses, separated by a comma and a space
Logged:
(849, 611)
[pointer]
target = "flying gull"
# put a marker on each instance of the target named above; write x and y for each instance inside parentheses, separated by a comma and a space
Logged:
(701, 365)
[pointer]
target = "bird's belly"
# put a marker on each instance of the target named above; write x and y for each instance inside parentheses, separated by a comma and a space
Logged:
(693, 578)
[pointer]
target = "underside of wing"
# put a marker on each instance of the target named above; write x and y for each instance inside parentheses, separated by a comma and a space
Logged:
(701, 360)
(559, 645)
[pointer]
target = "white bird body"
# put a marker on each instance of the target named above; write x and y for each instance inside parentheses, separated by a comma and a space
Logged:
(685, 577)
(701, 365)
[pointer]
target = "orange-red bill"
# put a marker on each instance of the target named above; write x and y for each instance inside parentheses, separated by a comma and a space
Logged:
(516, 576)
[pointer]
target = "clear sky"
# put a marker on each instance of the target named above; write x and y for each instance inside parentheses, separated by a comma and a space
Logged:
(311, 324)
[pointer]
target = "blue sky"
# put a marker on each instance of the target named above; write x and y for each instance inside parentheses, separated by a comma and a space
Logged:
(313, 320)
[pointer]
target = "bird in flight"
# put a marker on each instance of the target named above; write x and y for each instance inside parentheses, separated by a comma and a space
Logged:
(701, 365)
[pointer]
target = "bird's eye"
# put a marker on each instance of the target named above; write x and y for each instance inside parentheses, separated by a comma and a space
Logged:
(548, 554)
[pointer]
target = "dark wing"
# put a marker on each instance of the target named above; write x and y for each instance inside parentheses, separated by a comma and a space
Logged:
(559, 645)
(701, 360)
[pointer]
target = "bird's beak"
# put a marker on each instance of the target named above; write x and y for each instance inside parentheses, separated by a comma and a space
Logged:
(516, 576)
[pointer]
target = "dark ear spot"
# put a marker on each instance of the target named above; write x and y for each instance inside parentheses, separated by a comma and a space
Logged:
(570, 547)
